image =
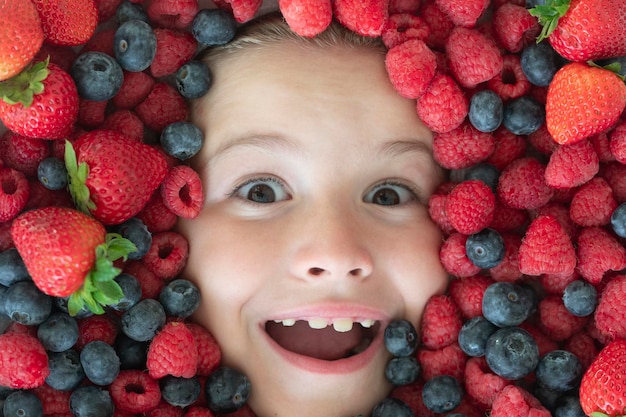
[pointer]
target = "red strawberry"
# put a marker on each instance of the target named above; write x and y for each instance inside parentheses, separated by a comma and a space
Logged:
(582, 101)
(67, 22)
(603, 384)
(23, 361)
(173, 352)
(21, 36)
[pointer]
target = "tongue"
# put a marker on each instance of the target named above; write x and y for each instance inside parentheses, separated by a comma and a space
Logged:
(326, 344)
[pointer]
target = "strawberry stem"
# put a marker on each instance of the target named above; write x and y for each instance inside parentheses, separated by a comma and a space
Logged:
(549, 15)
(77, 177)
(25, 85)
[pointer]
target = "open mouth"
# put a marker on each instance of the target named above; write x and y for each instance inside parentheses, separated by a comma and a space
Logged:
(325, 339)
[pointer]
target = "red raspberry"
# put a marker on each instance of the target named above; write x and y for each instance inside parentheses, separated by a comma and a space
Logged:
(572, 165)
(598, 252)
(156, 216)
(583, 346)
(561, 213)
(135, 88)
(40, 196)
(462, 147)
(544, 342)
(593, 204)
(453, 257)
(401, 27)
(511, 82)
(439, 23)
(151, 285)
(443, 106)
(473, 58)
(135, 391)
(174, 48)
(609, 315)
(522, 184)
(507, 219)
(463, 12)
(404, 6)
(14, 193)
(469, 408)
(542, 140)
(59, 55)
(441, 322)
(411, 395)
(514, 27)
(101, 41)
(508, 147)
(23, 153)
(514, 401)
(307, 18)
(437, 212)
(173, 14)
(470, 206)
(167, 255)
(600, 143)
(6, 241)
(91, 113)
(172, 352)
(163, 106)
(96, 327)
(556, 322)
(546, 248)
(365, 17)
(23, 361)
(617, 143)
(243, 10)
(481, 383)
(52, 400)
(209, 353)
(106, 9)
(615, 174)
(244, 411)
(508, 269)
(182, 192)
(411, 67)
(467, 293)
(165, 409)
(195, 411)
(449, 360)
(555, 284)
(126, 122)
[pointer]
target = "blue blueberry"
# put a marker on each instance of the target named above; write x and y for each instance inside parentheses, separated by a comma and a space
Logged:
(512, 353)
(130, 11)
(559, 370)
(22, 404)
(442, 393)
(402, 370)
(12, 268)
(474, 334)
(179, 392)
(143, 320)
(137, 232)
(618, 220)
(580, 298)
(485, 249)
(226, 390)
(569, 406)
(486, 111)
(131, 288)
(182, 140)
(24, 303)
(100, 362)
(59, 332)
(193, 79)
(539, 63)
(392, 407)
(180, 298)
(97, 76)
(533, 3)
(484, 172)
(52, 174)
(547, 397)
(507, 303)
(523, 115)
(90, 401)
(132, 354)
(66, 371)
(134, 45)
(401, 338)
(213, 27)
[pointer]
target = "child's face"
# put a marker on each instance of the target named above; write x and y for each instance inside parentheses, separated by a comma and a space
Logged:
(316, 175)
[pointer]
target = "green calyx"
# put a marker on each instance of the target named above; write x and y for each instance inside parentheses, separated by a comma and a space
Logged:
(614, 67)
(549, 15)
(77, 176)
(100, 288)
(25, 85)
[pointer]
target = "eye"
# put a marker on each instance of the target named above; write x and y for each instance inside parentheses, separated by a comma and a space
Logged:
(390, 194)
(262, 191)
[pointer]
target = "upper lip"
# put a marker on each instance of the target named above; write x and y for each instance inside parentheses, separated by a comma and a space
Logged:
(331, 311)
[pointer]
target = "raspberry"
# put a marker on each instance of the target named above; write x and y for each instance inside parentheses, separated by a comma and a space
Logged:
(101, 41)
(467, 294)
(23, 153)
(462, 147)
(556, 322)
(96, 327)
(6, 241)
(411, 395)
(404, 6)
(439, 23)
(174, 48)
(510, 82)
(365, 17)
(463, 13)
(561, 213)
(164, 409)
(443, 106)
(172, 352)
(473, 58)
(135, 88)
(554, 284)
(598, 252)
(162, 107)
(514, 401)
(544, 342)
(546, 248)
(506, 219)
(126, 122)
(91, 113)
(14, 193)
(135, 391)
(617, 142)
(23, 361)
(243, 10)
(156, 216)
(583, 346)
(106, 9)
(514, 27)
(453, 257)
(53, 400)
(167, 255)
(593, 204)
(401, 27)
(469, 206)
(59, 55)
(508, 147)
(508, 269)
(209, 353)
(522, 184)
(437, 212)
(195, 411)
(307, 18)
(449, 360)
(441, 322)
(615, 174)
(572, 165)
(411, 67)
(600, 143)
(542, 141)
(182, 192)
(480, 383)
(151, 285)
(609, 314)
(173, 14)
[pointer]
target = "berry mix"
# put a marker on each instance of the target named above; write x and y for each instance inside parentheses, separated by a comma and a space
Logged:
(527, 117)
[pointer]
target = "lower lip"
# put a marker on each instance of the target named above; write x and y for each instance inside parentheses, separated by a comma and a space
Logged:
(319, 366)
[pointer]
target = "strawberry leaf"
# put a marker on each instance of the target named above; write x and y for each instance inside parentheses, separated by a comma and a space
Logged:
(22, 88)
(118, 247)
(77, 176)
(548, 15)
(598, 414)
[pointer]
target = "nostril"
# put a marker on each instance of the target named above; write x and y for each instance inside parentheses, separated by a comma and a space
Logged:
(356, 272)
(316, 271)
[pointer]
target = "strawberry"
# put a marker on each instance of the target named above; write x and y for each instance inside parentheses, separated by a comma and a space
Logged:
(67, 22)
(583, 100)
(21, 36)
(582, 30)
(602, 387)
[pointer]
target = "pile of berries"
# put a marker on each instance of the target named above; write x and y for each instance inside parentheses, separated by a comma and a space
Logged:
(95, 99)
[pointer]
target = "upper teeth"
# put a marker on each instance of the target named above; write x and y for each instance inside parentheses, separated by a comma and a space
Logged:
(339, 324)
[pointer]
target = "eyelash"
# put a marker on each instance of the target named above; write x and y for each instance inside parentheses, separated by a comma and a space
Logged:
(240, 186)
(415, 192)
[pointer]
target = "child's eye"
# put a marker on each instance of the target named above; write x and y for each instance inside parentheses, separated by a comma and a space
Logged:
(390, 194)
(262, 190)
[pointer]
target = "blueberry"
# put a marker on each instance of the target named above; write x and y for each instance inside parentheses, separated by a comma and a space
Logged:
(98, 76)
(213, 27)
(52, 174)
(22, 404)
(580, 298)
(193, 79)
(559, 370)
(401, 338)
(100, 362)
(547, 397)
(180, 298)
(131, 288)
(90, 401)
(143, 320)
(484, 172)
(523, 115)
(442, 393)
(130, 11)
(392, 407)
(179, 392)
(474, 334)
(533, 3)
(486, 111)
(507, 304)
(226, 390)
(134, 45)
(59, 332)
(569, 406)
(12, 268)
(182, 140)
(512, 353)
(618, 220)
(66, 371)
(132, 354)
(485, 249)
(137, 232)
(24, 303)
(539, 63)
(402, 370)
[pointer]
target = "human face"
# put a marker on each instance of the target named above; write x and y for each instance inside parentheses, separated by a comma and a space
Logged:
(316, 176)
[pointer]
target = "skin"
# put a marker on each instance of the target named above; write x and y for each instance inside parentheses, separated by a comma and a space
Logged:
(328, 125)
